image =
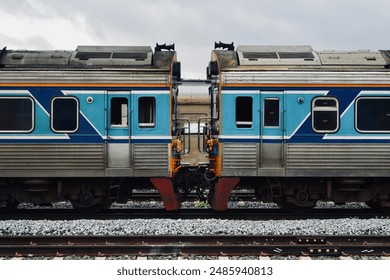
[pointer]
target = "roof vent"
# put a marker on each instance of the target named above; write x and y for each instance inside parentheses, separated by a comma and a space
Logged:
(277, 55)
(352, 58)
(113, 55)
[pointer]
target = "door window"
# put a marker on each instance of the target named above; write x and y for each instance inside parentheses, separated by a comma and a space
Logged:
(271, 112)
(119, 112)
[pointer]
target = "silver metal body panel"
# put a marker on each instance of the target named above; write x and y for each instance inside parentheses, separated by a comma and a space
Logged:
(306, 160)
(271, 155)
(118, 155)
(305, 77)
(84, 77)
(239, 159)
(338, 159)
(81, 160)
(151, 160)
(248, 159)
(51, 160)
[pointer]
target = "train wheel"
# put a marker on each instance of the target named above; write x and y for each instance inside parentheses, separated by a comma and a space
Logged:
(294, 208)
(95, 208)
(91, 208)
(376, 206)
(6, 205)
(88, 203)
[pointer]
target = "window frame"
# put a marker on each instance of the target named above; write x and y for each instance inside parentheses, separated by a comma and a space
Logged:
(52, 114)
(244, 124)
(356, 114)
(121, 125)
(264, 111)
(315, 108)
(151, 124)
(32, 114)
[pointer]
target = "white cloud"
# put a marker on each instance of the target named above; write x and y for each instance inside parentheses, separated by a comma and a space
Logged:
(42, 33)
(194, 25)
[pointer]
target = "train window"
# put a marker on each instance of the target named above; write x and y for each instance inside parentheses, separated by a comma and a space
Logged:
(146, 112)
(119, 112)
(271, 112)
(65, 114)
(244, 116)
(373, 115)
(325, 114)
(16, 114)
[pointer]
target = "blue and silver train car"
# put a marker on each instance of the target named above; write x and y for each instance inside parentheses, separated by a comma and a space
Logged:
(300, 125)
(87, 125)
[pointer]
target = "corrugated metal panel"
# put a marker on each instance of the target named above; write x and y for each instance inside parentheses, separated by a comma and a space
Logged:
(239, 156)
(151, 157)
(51, 157)
(98, 77)
(333, 156)
(299, 77)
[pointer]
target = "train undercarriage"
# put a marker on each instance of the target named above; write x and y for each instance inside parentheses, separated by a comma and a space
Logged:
(85, 194)
(302, 194)
(294, 194)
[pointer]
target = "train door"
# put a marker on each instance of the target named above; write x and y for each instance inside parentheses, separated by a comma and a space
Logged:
(271, 130)
(118, 129)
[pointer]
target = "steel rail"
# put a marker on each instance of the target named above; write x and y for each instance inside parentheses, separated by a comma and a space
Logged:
(212, 245)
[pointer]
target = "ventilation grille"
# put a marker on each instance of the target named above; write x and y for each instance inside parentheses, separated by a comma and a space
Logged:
(239, 156)
(51, 157)
(338, 156)
(151, 157)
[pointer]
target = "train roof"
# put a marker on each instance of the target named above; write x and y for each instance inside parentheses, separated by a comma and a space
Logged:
(297, 57)
(139, 57)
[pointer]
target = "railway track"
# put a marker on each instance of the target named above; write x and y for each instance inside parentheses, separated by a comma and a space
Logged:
(213, 245)
(197, 213)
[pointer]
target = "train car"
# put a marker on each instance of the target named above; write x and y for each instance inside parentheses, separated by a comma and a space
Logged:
(298, 125)
(88, 125)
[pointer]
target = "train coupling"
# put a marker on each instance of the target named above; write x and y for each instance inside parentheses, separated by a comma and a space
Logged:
(177, 145)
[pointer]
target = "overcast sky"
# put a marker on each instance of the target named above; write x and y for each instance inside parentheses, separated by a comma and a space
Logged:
(194, 25)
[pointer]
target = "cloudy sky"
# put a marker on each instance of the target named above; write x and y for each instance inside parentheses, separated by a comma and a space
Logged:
(194, 25)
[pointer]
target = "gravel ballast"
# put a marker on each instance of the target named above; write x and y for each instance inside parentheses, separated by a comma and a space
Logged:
(196, 227)
(351, 226)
